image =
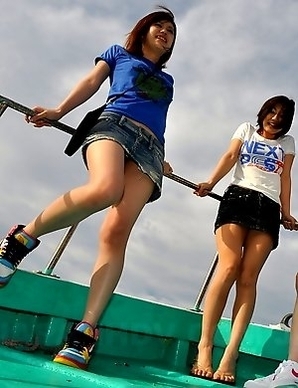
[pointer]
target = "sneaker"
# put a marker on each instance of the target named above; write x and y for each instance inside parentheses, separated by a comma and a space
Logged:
(79, 346)
(12, 253)
(286, 375)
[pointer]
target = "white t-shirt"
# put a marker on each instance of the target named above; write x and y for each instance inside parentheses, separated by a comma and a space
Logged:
(261, 161)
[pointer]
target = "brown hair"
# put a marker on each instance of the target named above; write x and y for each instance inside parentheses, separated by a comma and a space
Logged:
(135, 38)
(288, 106)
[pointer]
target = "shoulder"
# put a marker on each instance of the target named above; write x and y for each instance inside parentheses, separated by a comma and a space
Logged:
(167, 76)
(245, 129)
(288, 138)
(117, 49)
(288, 143)
(112, 53)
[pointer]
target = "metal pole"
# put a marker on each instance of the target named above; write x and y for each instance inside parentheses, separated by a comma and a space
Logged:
(191, 185)
(59, 250)
(8, 103)
(3, 108)
(205, 285)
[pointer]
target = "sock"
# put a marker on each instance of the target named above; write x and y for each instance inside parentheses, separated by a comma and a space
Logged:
(25, 239)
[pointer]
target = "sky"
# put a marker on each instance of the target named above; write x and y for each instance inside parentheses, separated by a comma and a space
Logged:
(229, 58)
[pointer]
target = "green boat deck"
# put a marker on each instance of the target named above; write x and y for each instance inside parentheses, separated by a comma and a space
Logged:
(142, 343)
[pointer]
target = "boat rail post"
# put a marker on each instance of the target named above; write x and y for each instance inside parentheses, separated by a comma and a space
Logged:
(205, 285)
(58, 252)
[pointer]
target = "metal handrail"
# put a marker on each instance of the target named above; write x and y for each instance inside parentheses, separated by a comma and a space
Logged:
(204, 287)
(8, 103)
(191, 185)
(59, 251)
(66, 239)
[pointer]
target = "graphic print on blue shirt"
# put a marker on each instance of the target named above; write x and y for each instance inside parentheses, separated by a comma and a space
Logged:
(151, 86)
(263, 156)
(148, 89)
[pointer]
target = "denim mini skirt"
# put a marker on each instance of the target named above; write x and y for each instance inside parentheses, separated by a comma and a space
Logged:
(139, 145)
(251, 209)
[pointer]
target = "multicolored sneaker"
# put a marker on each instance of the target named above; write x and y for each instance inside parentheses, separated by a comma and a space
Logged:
(12, 252)
(79, 346)
(286, 375)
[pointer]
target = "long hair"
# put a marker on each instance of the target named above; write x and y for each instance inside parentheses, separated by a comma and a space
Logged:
(134, 41)
(288, 107)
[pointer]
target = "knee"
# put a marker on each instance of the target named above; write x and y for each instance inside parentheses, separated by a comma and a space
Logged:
(247, 280)
(229, 273)
(114, 233)
(102, 196)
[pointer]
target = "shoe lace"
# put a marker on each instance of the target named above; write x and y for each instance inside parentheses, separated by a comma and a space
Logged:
(80, 341)
(12, 250)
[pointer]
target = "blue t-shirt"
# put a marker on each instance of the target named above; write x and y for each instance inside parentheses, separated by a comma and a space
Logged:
(148, 90)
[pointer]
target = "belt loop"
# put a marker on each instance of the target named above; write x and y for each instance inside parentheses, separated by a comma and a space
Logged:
(151, 142)
(122, 120)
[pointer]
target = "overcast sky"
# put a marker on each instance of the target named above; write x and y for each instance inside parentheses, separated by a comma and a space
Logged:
(229, 58)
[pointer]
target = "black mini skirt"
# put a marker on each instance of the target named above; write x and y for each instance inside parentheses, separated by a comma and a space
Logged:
(251, 209)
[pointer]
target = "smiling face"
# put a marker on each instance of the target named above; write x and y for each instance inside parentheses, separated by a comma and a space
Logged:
(160, 37)
(275, 117)
(153, 37)
(273, 122)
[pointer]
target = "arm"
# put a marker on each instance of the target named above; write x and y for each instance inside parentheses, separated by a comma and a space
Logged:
(84, 89)
(285, 193)
(225, 164)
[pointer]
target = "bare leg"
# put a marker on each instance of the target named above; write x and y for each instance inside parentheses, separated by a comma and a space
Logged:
(256, 250)
(293, 348)
(104, 188)
(113, 240)
(229, 240)
(114, 235)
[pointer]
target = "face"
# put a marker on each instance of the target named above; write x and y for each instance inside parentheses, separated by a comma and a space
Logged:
(272, 123)
(160, 37)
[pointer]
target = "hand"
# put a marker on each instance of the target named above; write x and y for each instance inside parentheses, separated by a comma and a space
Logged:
(203, 189)
(289, 222)
(42, 116)
(167, 169)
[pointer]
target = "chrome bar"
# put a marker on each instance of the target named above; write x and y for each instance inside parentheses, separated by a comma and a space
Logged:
(8, 103)
(191, 185)
(205, 285)
(59, 250)
(3, 108)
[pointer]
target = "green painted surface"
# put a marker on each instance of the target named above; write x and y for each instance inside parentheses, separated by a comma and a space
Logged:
(142, 344)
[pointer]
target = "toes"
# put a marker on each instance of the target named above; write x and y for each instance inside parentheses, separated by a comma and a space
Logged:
(224, 376)
(200, 371)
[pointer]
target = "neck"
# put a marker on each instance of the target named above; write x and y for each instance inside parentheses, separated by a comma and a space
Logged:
(266, 135)
(150, 55)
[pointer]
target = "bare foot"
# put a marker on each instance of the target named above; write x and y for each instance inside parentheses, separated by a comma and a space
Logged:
(226, 369)
(202, 366)
(221, 376)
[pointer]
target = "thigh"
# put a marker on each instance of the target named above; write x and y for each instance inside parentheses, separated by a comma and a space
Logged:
(105, 161)
(229, 240)
(257, 248)
(138, 146)
(138, 188)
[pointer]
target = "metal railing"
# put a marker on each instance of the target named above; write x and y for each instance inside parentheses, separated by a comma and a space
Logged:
(48, 271)
(8, 103)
